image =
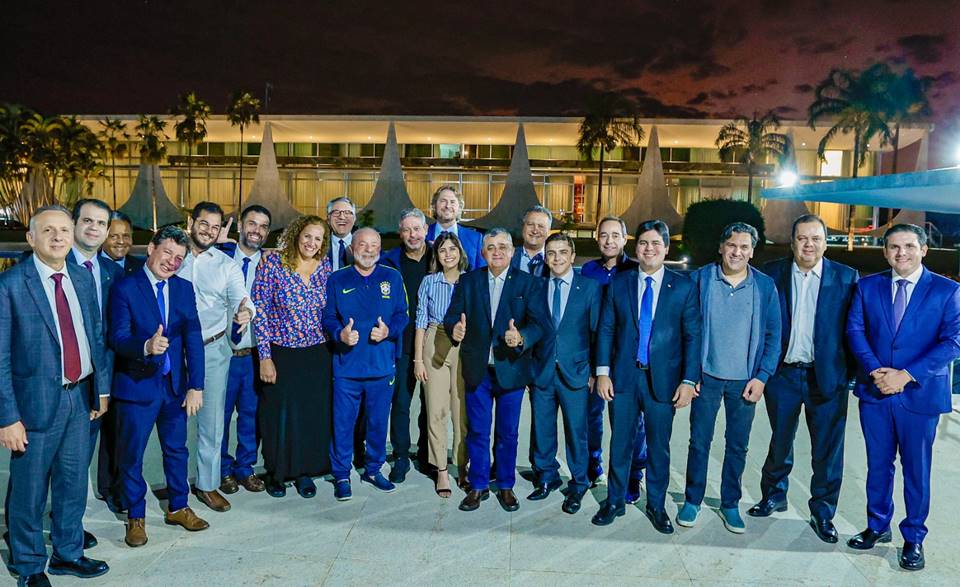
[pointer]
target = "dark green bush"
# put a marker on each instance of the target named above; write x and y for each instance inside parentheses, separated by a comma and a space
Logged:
(705, 221)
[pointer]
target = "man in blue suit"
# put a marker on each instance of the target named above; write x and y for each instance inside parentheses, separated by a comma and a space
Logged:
(904, 330)
(537, 221)
(648, 361)
(496, 317)
(814, 374)
(447, 207)
(52, 363)
(564, 365)
(158, 377)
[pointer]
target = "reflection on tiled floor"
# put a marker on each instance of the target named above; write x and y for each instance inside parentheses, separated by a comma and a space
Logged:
(412, 537)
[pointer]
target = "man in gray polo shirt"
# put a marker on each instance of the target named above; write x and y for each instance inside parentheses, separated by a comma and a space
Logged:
(741, 348)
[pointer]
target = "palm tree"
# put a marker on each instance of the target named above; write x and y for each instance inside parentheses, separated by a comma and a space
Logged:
(14, 154)
(852, 102)
(150, 130)
(78, 160)
(192, 130)
(114, 137)
(906, 99)
(750, 141)
(611, 120)
(241, 111)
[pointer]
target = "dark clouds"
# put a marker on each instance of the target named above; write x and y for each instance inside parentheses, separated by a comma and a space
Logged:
(923, 49)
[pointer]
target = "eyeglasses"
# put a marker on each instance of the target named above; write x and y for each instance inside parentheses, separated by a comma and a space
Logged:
(341, 213)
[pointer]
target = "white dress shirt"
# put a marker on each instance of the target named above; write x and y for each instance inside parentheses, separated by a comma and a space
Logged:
(641, 287)
(248, 340)
(803, 303)
(495, 284)
(219, 288)
(335, 248)
(94, 270)
(912, 280)
(49, 288)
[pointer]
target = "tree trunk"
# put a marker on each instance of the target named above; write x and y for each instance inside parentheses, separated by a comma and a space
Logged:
(240, 187)
(896, 153)
(851, 214)
(185, 201)
(600, 185)
(749, 183)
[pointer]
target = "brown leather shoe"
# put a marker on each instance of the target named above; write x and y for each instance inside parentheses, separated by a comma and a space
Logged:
(508, 500)
(187, 519)
(253, 484)
(213, 500)
(229, 485)
(473, 499)
(136, 532)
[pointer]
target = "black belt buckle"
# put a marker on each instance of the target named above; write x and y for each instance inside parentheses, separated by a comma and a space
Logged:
(642, 367)
(804, 366)
(73, 385)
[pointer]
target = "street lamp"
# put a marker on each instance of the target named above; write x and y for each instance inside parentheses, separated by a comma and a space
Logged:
(787, 179)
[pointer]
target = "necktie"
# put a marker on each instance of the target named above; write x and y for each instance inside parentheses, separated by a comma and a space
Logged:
(342, 254)
(899, 303)
(235, 335)
(68, 335)
(557, 282)
(89, 265)
(646, 322)
(163, 320)
(536, 263)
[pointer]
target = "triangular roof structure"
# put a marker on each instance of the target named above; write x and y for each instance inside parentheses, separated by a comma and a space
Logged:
(148, 197)
(518, 193)
(652, 199)
(778, 215)
(905, 216)
(390, 195)
(267, 190)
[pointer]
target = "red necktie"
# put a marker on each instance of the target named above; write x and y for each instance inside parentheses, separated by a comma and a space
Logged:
(68, 335)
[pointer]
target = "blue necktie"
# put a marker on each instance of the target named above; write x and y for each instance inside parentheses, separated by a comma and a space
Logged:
(899, 303)
(235, 335)
(646, 322)
(557, 282)
(163, 320)
(535, 264)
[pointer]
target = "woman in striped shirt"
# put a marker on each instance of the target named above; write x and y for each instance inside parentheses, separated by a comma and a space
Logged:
(436, 363)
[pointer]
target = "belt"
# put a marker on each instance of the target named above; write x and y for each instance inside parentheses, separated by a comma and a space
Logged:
(215, 337)
(805, 366)
(242, 352)
(69, 386)
(642, 367)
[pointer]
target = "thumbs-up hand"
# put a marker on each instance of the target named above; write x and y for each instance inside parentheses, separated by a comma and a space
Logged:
(158, 343)
(348, 335)
(380, 331)
(243, 316)
(460, 329)
(512, 335)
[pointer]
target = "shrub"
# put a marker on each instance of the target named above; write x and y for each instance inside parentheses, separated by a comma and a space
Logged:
(705, 221)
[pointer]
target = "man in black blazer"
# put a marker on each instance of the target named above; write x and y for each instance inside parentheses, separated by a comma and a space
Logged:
(564, 366)
(119, 240)
(648, 360)
(529, 258)
(496, 318)
(814, 373)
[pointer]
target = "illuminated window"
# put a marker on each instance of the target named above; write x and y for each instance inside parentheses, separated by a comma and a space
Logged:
(832, 164)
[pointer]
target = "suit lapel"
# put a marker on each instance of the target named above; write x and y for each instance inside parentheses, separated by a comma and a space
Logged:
(634, 288)
(573, 298)
(885, 301)
(485, 296)
(505, 294)
(40, 297)
(75, 272)
(785, 285)
(920, 291)
(143, 282)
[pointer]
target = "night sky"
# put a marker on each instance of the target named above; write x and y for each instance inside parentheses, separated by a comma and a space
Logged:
(530, 57)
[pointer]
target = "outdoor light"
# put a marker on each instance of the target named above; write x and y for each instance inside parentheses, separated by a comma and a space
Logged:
(958, 155)
(787, 179)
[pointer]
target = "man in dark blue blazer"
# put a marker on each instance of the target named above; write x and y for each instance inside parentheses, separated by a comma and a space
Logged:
(158, 377)
(814, 374)
(564, 366)
(528, 258)
(648, 361)
(447, 207)
(496, 318)
(119, 240)
(904, 330)
(52, 363)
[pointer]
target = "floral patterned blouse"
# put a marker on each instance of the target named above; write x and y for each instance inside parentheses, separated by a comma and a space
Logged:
(289, 312)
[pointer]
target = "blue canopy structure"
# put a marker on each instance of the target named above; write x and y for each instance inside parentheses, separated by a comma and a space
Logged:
(932, 191)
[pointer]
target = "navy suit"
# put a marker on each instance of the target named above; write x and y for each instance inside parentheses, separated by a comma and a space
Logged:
(131, 263)
(564, 366)
(821, 390)
(143, 396)
(471, 240)
(512, 370)
(56, 417)
(540, 270)
(675, 343)
(926, 343)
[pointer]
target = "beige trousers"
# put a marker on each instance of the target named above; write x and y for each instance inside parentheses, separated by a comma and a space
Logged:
(444, 398)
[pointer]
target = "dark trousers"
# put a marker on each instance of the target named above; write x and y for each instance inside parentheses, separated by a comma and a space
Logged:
(108, 456)
(349, 394)
(595, 407)
(572, 403)
(632, 401)
(789, 390)
(888, 430)
(403, 389)
(485, 403)
(703, 419)
(241, 396)
(135, 424)
(56, 460)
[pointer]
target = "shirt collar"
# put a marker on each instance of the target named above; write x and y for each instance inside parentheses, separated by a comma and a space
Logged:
(657, 275)
(239, 255)
(721, 277)
(346, 239)
(501, 278)
(47, 271)
(81, 257)
(153, 278)
(913, 278)
(566, 277)
(817, 269)
(454, 229)
(523, 252)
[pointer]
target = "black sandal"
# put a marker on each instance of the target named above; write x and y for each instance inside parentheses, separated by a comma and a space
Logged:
(444, 493)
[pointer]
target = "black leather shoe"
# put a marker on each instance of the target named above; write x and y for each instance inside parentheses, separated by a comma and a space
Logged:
(660, 520)
(607, 514)
(89, 540)
(542, 491)
(274, 488)
(398, 473)
(824, 529)
(508, 500)
(83, 567)
(38, 580)
(473, 499)
(571, 503)
(911, 559)
(868, 539)
(766, 507)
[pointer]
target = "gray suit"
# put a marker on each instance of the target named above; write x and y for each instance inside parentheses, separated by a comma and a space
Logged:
(55, 416)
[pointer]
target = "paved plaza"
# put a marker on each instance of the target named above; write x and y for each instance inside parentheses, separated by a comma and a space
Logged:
(412, 537)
